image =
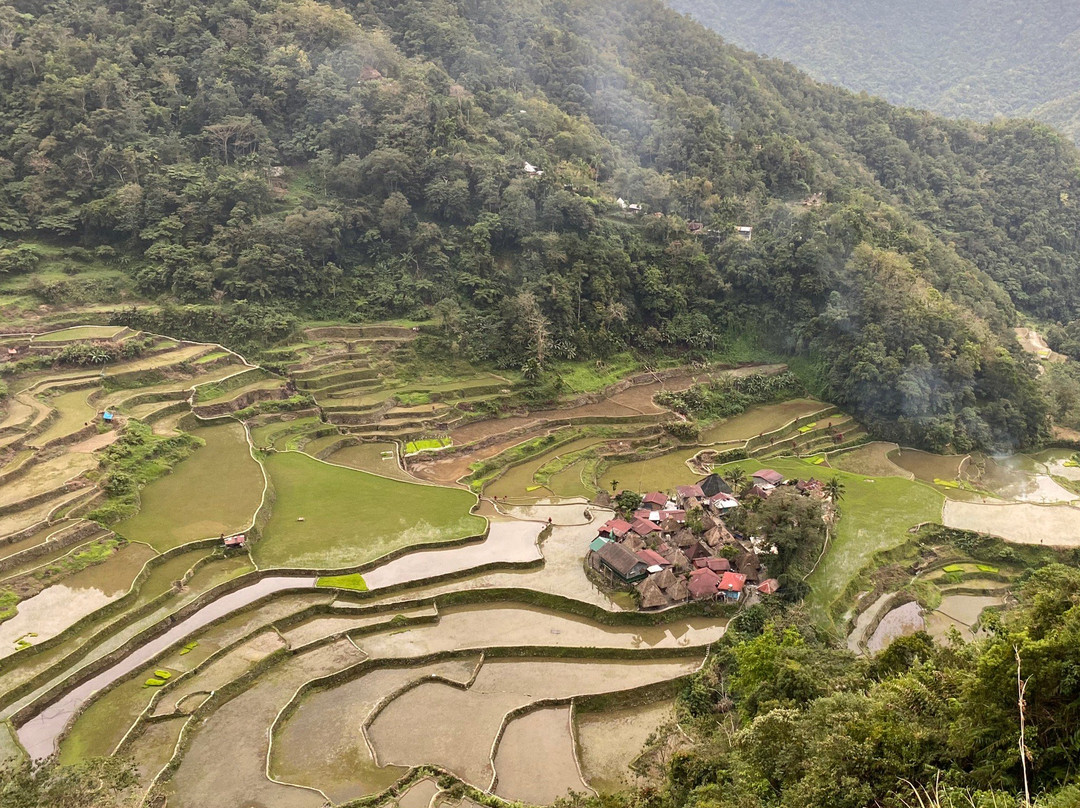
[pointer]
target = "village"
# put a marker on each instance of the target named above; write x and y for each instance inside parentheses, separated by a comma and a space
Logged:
(673, 550)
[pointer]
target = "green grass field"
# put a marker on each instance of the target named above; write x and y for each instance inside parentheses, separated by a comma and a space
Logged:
(352, 517)
(876, 513)
(81, 332)
(216, 490)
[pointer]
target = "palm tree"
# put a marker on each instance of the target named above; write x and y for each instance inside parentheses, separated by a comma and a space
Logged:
(614, 485)
(835, 489)
(735, 477)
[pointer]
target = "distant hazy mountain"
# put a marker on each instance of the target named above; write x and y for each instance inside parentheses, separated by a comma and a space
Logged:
(971, 58)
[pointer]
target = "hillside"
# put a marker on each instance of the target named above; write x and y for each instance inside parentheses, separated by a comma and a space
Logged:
(965, 59)
(366, 162)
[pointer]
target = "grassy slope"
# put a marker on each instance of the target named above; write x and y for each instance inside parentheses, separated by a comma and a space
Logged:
(352, 517)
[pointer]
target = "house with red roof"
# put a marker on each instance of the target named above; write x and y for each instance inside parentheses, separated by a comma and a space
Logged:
(731, 584)
(703, 584)
(643, 527)
(614, 528)
(714, 564)
(652, 558)
(676, 514)
(655, 501)
(769, 586)
(767, 477)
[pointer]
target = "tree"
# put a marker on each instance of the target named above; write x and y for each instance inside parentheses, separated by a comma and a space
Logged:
(835, 489)
(736, 477)
(628, 501)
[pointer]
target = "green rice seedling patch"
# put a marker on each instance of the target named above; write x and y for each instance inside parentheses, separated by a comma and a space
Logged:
(216, 490)
(187, 649)
(987, 568)
(414, 446)
(162, 674)
(953, 568)
(808, 427)
(354, 581)
(325, 516)
(154, 681)
(210, 357)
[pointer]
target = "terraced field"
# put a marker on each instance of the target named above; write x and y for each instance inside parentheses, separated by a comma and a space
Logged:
(410, 607)
(148, 638)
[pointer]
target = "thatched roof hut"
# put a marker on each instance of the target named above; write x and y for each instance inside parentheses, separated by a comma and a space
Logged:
(664, 579)
(651, 595)
(679, 591)
(677, 558)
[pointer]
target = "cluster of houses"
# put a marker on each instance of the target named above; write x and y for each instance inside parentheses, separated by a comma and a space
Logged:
(668, 561)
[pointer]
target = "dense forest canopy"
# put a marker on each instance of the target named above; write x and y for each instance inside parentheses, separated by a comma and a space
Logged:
(978, 59)
(367, 160)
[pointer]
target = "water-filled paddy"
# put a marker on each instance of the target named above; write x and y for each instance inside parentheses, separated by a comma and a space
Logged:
(320, 744)
(535, 761)
(899, 622)
(216, 490)
(960, 612)
(507, 541)
(217, 673)
(513, 625)
(518, 483)
(871, 460)
(378, 458)
(658, 474)
(443, 725)
(57, 607)
(1020, 522)
(610, 740)
(39, 734)
(226, 761)
(79, 332)
(351, 517)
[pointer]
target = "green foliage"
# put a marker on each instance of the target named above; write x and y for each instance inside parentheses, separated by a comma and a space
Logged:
(969, 59)
(100, 352)
(628, 501)
(366, 162)
(9, 603)
(135, 459)
(731, 395)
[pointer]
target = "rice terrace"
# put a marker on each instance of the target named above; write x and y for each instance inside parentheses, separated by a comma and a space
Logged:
(334, 574)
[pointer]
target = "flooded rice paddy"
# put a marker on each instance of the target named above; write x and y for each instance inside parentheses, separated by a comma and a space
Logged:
(1020, 522)
(321, 744)
(536, 761)
(610, 741)
(39, 735)
(456, 728)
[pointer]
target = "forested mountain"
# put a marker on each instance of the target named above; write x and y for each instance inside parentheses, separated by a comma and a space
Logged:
(969, 58)
(367, 160)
